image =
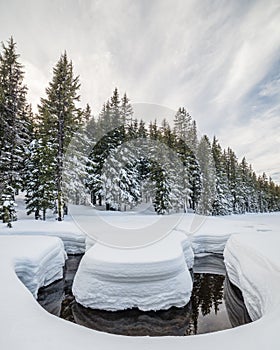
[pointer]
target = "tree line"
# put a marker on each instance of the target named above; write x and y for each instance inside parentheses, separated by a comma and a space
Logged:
(62, 154)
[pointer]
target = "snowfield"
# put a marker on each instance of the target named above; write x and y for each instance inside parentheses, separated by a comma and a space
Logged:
(252, 261)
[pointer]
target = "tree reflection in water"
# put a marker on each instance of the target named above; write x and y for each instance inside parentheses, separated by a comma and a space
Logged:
(207, 310)
(206, 297)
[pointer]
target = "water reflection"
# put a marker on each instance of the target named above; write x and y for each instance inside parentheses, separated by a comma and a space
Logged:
(237, 312)
(173, 321)
(215, 305)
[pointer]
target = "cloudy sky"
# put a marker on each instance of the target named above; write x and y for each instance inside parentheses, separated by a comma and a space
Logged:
(219, 59)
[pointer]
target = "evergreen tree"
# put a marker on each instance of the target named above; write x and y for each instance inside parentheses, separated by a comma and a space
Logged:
(263, 193)
(15, 121)
(60, 118)
(205, 179)
(7, 209)
(223, 201)
(185, 129)
(235, 182)
(161, 197)
(206, 162)
(126, 110)
(195, 180)
(40, 178)
(77, 162)
(253, 197)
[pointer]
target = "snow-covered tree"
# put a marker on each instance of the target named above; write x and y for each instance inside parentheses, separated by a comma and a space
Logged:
(14, 114)
(15, 121)
(40, 181)
(7, 209)
(185, 129)
(222, 204)
(60, 117)
(206, 162)
(126, 110)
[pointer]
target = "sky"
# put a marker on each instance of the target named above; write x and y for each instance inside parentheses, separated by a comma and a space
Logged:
(217, 58)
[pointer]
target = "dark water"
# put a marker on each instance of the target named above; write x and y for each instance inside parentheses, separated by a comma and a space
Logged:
(215, 305)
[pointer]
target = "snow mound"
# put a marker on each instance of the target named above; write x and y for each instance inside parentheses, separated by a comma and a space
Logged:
(39, 260)
(72, 238)
(151, 278)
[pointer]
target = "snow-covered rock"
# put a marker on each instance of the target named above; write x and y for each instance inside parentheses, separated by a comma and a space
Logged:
(151, 278)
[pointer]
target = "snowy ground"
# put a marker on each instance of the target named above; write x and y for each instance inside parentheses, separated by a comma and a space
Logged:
(70, 234)
(252, 260)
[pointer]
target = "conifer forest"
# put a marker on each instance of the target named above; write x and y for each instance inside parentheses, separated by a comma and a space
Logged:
(62, 154)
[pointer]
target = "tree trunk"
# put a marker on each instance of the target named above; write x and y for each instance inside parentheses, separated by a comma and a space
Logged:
(93, 198)
(37, 214)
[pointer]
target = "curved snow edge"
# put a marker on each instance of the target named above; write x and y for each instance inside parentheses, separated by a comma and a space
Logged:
(252, 266)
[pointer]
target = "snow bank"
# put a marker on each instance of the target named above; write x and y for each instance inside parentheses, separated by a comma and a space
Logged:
(252, 260)
(38, 261)
(205, 263)
(151, 278)
(210, 234)
(253, 264)
(73, 239)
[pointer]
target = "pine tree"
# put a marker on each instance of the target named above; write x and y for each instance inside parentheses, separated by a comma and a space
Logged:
(195, 180)
(113, 175)
(185, 129)
(126, 110)
(77, 162)
(263, 194)
(60, 118)
(206, 162)
(223, 201)
(15, 121)
(40, 182)
(7, 210)
(234, 174)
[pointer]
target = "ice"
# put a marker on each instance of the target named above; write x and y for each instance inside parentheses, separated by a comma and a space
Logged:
(154, 277)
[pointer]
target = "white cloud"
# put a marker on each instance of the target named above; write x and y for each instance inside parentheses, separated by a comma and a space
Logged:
(258, 48)
(271, 88)
(258, 140)
(36, 81)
